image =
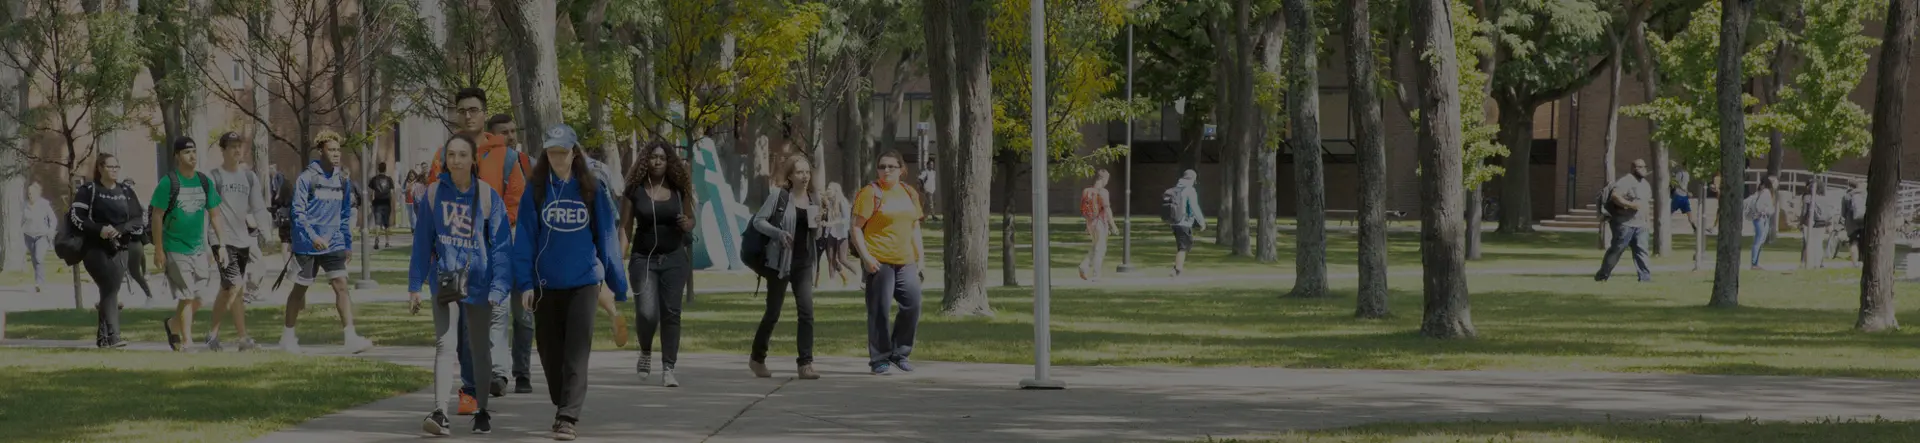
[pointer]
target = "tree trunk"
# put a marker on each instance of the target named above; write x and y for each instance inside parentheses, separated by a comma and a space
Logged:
(967, 169)
(855, 147)
(1364, 100)
(1516, 131)
(1192, 142)
(1303, 109)
(1733, 150)
(1612, 137)
(1267, 248)
(857, 170)
(1224, 72)
(1883, 178)
(1447, 313)
(1662, 160)
(1009, 268)
(1476, 215)
(1700, 235)
(1776, 151)
(15, 172)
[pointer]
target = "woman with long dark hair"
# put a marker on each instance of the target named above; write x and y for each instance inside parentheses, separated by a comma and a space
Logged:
(792, 220)
(110, 217)
(657, 211)
(886, 233)
(564, 249)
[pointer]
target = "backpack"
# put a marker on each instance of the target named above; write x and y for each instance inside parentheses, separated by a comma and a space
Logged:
(173, 192)
(753, 243)
(1847, 214)
(68, 242)
(1171, 209)
(1603, 203)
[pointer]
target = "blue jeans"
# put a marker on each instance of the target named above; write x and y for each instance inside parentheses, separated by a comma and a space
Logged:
(33, 255)
(893, 284)
(1762, 227)
(1623, 238)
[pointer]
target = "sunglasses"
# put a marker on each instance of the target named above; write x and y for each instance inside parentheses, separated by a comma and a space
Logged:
(890, 167)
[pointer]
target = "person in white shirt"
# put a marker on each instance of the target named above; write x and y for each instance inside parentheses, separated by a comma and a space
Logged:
(37, 223)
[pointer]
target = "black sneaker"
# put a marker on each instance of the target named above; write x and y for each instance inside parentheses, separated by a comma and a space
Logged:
(522, 385)
(499, 387)
(482, 423)
(436, 423)
(563, 431)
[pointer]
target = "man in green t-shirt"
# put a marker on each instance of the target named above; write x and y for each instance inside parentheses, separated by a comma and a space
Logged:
(182, 221)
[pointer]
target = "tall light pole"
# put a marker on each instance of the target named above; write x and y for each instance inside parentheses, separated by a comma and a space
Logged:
(1042, 281)
(368, 147)
(1126, 237)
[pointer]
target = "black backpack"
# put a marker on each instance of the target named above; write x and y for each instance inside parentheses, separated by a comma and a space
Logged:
(69, 244)
(173, 191)
(753, 243)
(1604, 202)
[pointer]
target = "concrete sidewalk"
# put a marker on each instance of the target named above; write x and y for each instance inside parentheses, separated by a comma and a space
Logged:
(964, 402)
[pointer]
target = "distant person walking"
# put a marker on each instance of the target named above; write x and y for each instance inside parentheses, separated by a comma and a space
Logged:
(380, 190)
(886, 227)
(833, 244)
(1762, 209)
(1853, 218)
(1629, 211)
(109, 216)
(1096, 207)
(792, 219)
(37, 223)
(1681, 198)
(658, 216)
(1181, 209)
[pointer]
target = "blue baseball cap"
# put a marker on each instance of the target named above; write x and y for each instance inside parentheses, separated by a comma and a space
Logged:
(561, 136)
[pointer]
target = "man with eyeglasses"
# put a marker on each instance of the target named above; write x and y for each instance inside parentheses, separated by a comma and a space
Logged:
(505, 169)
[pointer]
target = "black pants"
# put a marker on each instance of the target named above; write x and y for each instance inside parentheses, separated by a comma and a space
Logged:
(801, 280)
(563, 327)
(136, 267)
(109, 268)
(658, 283)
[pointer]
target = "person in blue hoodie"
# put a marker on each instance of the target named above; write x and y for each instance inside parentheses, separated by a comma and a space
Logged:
(460, 253)
(322, 234)
(564, 249)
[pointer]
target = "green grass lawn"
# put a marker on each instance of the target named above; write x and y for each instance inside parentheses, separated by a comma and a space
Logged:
(1658, 431)
(1793, 324)
(60, 395)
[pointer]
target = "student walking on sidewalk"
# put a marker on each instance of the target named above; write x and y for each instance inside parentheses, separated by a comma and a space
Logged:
(322, 235)
(244, 203)
(1096, 207)
(184, 205)
(460, 248)
(792, 219)
(1629, 212)
(110, 217)
(1761, 209)
(886, 229)
(36, 222)
(658, 214)
(564, 248)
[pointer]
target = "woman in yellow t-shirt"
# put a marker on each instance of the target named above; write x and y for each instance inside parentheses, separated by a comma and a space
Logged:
(886, 233)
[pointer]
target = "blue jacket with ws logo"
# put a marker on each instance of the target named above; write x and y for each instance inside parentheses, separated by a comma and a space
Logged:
(554, 248)
(456, 232)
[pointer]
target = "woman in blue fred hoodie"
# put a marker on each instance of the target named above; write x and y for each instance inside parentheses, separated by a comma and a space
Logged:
(461, 243)
(564, 249)
(322, 235)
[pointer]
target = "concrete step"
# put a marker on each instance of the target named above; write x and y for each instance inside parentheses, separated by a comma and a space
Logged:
(1563, 224)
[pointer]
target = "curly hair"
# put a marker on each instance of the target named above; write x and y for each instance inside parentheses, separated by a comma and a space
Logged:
(678, 178)
(327, 135)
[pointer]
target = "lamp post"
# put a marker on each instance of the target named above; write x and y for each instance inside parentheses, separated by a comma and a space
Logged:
(1126, 236)
(1042, 281)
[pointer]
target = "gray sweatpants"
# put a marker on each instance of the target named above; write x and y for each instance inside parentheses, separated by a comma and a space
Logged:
(446, 370)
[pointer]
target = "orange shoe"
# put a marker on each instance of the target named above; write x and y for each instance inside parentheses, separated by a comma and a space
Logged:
(468, 405)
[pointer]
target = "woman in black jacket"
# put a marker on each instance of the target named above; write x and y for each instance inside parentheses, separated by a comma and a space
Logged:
(110, 217)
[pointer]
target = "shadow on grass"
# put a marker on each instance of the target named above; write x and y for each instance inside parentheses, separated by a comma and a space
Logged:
(1556, 323)
(87, 395)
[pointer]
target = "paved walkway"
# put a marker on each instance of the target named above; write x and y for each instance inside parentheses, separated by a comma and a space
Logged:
(963, 402)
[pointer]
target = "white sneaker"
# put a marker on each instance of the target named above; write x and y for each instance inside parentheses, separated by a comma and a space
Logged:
(213, 343)
(357, 344)
(666, 379)
(290, 343)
